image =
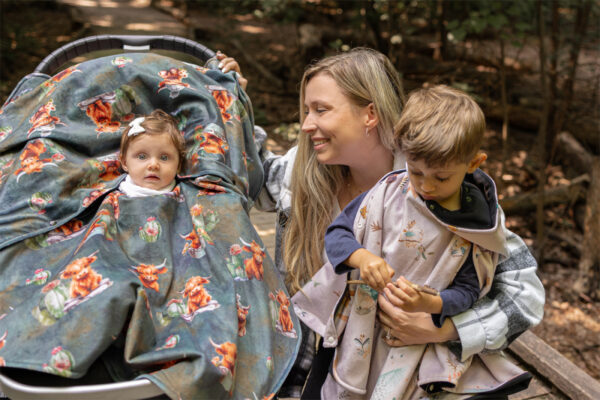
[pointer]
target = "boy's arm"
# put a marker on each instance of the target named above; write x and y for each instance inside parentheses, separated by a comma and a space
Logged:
(345, 253)
(461, 294)
(340, 241)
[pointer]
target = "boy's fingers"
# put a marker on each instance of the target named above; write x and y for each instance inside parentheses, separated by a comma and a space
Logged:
(405, 286)
(392, 298)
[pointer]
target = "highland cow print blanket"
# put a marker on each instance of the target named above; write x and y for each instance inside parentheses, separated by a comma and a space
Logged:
(176, 288)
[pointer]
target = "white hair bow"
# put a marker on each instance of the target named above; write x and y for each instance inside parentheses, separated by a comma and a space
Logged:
(136, 127)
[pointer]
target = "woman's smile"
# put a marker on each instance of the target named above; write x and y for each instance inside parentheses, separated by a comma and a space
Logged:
(336, 126)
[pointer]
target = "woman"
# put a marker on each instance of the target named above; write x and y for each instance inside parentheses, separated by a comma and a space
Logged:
(348, 106)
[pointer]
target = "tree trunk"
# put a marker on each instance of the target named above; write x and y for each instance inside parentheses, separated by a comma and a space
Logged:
(542, 134)
(584, 128)
(442, 16)
(505, 120)
(527, 202)
(588, 278)
(580, 28)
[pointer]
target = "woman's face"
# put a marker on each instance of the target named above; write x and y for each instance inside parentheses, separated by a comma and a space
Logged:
(335, 125)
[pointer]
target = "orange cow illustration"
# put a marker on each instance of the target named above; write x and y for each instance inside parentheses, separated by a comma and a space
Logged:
(195, 242)
(70, 227)
(228, 352)
(211, 143)
(94, 194)
(110, 170)
(113, 199)
(224, 101)
(172, 76)
(148, 274)
(83, 278)
(197, 295)
(31, 161)
(172, 80)
(49, 85)
(192, 242)
(254, 265)
(2, 343)
(207, 188)
(242, 314)
(3, 339)
(100, 112)
(42, 120)
(65, 73)
(285, 319)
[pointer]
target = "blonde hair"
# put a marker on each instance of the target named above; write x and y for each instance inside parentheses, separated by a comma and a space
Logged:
(365, 76)
(440, 124)
(157, 123)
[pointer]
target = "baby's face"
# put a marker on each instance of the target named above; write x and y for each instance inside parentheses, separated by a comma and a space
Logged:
(151, 161)
(440, 184)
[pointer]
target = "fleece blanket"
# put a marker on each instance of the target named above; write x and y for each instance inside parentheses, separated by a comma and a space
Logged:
(176, 288)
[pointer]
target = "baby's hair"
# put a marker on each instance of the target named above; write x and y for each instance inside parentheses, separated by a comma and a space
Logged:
(156, 123)
(440, 125)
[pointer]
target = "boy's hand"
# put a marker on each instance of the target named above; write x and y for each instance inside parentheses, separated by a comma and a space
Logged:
(373, 270)
(411, 300)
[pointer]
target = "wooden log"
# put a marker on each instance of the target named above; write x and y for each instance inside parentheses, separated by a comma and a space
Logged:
(556, 368)
(572, 242)
(527, 202)
(586, 130)
(571, 153)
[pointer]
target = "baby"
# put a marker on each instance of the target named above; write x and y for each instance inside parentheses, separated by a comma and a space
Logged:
(152, 153)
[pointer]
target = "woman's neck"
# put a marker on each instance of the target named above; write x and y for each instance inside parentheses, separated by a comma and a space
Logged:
(367, 173)
(364, 174)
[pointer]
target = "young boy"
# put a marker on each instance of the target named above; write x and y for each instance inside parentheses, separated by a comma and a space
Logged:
(152, 153)
(440, 132)
(438, 225)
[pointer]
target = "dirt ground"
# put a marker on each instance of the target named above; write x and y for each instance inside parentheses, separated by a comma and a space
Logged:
(271, 60)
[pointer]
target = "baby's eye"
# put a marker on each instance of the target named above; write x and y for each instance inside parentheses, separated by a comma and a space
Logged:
(141, 156)
(442, 179)
(164, 157)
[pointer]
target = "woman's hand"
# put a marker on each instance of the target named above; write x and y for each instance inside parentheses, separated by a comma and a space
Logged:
(227, 64)
(410, 328)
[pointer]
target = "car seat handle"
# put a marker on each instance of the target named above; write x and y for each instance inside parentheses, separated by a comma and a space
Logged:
(125, 42)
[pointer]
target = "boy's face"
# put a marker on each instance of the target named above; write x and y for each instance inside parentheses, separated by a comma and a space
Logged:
(441, 183)
(151, 161)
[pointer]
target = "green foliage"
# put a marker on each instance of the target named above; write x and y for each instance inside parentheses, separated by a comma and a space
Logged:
(277, 10)
(510, 20)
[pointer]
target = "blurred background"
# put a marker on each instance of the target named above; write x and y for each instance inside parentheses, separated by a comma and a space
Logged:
(533, 66)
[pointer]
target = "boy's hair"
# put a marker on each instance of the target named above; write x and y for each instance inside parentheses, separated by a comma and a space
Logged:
(441, 125)
(156, 123)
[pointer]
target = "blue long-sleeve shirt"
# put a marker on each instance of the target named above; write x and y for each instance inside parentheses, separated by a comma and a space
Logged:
(464, 290)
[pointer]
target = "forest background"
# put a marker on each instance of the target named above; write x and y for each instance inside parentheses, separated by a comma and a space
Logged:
(532, 65)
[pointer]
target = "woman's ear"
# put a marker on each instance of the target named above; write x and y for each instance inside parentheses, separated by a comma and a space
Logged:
(476, 161)
(371, 117)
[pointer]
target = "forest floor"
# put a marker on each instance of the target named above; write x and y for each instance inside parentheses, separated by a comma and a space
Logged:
(271, 60)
